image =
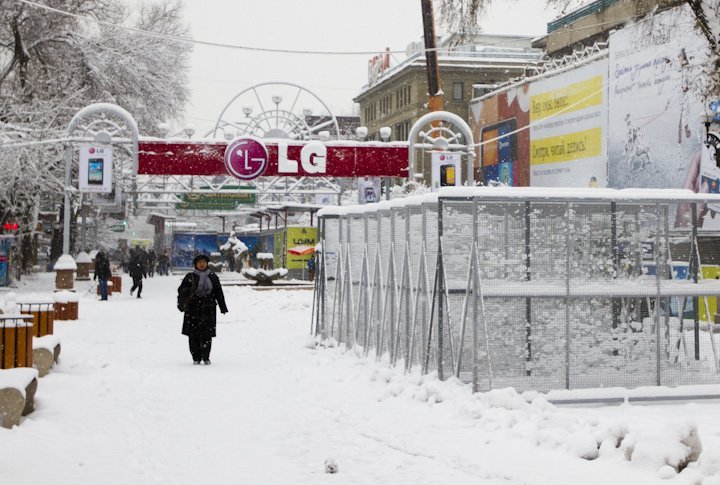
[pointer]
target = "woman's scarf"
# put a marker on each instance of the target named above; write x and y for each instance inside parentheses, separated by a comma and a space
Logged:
(204, 287)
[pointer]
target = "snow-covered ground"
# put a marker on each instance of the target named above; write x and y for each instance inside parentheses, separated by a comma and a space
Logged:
(126, 405)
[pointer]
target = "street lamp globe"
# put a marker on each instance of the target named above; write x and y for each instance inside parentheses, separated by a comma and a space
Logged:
(385, 133)
(247, 110)
(189, 131)
(361, 132)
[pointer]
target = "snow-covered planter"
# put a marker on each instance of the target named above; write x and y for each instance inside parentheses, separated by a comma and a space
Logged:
(46, 351)
(64, 268)
(17, 394)
(264, 277)
(84, 265)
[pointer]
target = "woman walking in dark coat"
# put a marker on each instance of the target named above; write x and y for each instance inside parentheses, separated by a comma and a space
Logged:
(198, 294)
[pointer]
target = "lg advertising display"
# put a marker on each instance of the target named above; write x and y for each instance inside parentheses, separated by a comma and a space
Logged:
(568, 119)
(96, 163)
(656, 94)
(499, 123)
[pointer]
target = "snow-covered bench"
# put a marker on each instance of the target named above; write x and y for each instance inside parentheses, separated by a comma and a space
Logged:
(46, 351)
(17, 394)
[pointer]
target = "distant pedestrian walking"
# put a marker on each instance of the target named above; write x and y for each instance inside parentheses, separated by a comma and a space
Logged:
(151, 258)
(163, 262)
(198, 294)
(102, 273)
(137, 271)
(311, 267)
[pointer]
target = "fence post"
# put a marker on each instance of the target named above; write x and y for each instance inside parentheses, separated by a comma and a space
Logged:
(657, 296)
(476, 293)
(695, 268)
(567, 295)
(440, 272)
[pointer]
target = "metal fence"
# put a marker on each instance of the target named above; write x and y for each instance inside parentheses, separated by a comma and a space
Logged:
(538, 290)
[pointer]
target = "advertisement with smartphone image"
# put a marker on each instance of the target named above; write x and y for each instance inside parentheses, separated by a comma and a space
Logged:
(446, 169)
(96, 168)
(499, 123)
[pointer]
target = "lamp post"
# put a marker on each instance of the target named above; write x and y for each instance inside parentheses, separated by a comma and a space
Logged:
(189, 131)
(277, 99)
(385, 133)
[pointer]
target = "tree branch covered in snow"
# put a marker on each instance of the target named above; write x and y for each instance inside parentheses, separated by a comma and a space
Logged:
(53, 65)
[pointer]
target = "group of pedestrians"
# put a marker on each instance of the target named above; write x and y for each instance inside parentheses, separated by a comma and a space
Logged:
(198, 296)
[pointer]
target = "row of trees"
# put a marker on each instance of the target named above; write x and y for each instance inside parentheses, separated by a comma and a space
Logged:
(55, 62)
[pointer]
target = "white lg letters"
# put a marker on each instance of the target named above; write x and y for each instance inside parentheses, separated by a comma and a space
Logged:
(313, 158)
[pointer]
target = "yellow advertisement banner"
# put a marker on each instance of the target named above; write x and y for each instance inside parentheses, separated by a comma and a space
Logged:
(566, 148)
(709, 272)
(567, 99)
(301, 242)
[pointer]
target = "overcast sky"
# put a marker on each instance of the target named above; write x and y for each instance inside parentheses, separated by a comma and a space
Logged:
(218, 74)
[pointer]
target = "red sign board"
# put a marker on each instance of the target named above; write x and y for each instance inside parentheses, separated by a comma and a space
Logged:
(291, 158)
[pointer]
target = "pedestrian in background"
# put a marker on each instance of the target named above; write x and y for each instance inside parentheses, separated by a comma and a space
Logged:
(102, 273)
(198, 295)
(137, 271)
(152, 257)
(163, 263)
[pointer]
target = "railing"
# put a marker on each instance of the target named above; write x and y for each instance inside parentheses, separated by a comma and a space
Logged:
(541, 290)
(574, 16)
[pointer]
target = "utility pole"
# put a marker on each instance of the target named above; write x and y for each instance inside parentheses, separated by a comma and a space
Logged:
(431, 58)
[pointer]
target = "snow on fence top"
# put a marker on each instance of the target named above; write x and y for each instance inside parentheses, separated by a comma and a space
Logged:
(264, 256)
(528, 193)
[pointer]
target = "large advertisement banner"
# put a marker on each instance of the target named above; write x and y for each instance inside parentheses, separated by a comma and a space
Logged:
(656, 95)
(301, 242)
(568, 116)
(498, 124)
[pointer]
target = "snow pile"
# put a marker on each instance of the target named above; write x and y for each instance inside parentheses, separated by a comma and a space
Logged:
(667, 449)
(9, 306)
(674, 446)
(65, 262)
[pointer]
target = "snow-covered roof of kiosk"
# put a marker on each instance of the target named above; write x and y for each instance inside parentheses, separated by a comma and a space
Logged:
(584, 194)
(65, 262)
(264, 256)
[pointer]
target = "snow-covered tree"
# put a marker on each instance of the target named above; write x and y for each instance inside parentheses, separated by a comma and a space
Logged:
(53, 63)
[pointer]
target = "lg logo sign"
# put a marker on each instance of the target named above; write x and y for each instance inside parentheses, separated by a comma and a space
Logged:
(247, 158)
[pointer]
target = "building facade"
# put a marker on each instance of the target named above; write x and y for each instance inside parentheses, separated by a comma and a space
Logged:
(396, 95)
(593, 22)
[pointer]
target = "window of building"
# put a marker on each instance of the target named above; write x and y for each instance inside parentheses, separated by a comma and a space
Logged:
(457, 91)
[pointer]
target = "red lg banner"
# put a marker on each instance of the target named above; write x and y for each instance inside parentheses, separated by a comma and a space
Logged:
(292, 159)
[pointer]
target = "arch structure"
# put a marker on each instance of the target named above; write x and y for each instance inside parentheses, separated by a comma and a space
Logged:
(439, 131)
(102, 124)
(274, 110)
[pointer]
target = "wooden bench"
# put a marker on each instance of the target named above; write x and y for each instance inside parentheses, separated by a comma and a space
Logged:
(16, 333)
(17, 394)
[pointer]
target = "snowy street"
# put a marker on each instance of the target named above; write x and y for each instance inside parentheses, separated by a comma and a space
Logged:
(126, 405)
